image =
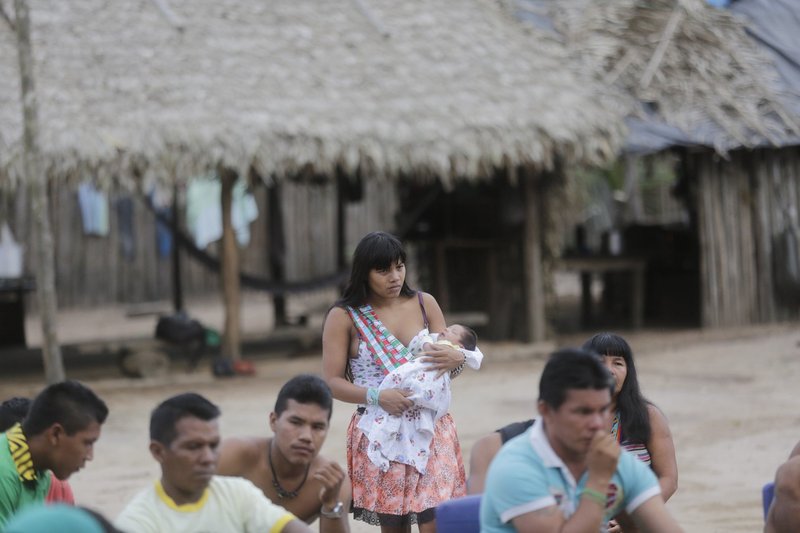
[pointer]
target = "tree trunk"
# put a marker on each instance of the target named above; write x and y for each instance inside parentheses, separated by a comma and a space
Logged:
(231, 337)
(37, 182)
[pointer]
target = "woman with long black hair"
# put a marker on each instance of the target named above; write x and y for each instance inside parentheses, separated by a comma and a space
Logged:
(638, 425)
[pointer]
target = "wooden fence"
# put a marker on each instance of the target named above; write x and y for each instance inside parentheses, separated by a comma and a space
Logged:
(742, 204)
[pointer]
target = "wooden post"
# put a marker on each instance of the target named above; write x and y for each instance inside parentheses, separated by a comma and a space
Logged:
(341, 222)
(633, 193)
(277, 250)
(231, 337)
(532, 258)
(37, 182)
(177, 280)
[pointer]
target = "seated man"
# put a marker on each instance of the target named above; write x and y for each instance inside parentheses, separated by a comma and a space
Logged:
(58, 434)
(484, 450)
(567, 473)
(13, 411)
(784, 513)
(189, 497)
(287, 467)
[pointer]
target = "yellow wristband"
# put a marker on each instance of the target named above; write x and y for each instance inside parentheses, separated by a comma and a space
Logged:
(596, 496)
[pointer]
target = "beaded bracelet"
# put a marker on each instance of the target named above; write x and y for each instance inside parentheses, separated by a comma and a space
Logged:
(459, 369)
(373, 396)
(596, 496)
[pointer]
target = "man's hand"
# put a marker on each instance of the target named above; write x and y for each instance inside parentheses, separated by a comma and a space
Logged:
(331, 476)
(601, 460)
(395, 401)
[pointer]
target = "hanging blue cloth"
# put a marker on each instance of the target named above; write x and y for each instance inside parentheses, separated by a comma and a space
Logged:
(126, 227)
(162, 205)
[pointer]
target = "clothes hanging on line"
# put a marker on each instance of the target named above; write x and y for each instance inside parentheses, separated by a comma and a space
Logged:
(94, 210)
(204, 210)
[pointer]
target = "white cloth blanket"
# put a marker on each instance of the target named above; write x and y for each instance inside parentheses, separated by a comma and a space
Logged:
(407, 438)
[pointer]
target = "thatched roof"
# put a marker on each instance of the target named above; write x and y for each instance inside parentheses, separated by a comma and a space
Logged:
(691, 70)
(424, 88)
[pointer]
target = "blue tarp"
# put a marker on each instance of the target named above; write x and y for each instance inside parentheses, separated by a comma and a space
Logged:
(775, 25)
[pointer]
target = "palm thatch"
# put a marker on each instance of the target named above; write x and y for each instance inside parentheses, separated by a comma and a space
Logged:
(429, 89)
(683, 62)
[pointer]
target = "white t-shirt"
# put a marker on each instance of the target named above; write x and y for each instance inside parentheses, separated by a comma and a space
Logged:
(229, 504)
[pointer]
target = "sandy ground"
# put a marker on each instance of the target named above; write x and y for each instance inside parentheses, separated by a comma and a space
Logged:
(730, 396)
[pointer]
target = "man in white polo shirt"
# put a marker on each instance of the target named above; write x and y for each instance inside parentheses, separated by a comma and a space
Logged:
(189, 497)
(566, 473)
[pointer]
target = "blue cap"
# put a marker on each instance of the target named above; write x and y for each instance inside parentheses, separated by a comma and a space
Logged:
(50, 518)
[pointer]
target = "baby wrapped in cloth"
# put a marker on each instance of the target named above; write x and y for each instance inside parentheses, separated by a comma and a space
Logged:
(406, 438)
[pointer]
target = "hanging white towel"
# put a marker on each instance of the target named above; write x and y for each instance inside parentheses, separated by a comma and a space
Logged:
(204, 211)
(94, 209)
(10, 254)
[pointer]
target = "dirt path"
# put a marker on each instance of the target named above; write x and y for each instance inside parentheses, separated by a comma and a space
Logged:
(730, 397)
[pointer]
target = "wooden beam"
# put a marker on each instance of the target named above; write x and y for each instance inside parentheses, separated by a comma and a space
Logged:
(533, 272)
(5, 17)
(669, 31)
(372, 18)
(231, 290)
(177, 279)
(169, 15)
(277, 248)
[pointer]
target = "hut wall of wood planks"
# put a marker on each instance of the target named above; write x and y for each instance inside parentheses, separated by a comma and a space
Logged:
(743, 204)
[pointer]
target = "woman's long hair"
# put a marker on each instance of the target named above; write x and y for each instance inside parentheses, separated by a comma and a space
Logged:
(631, 404)
(375, 250)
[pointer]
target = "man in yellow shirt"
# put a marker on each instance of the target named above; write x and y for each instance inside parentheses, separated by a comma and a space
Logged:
(189, 497)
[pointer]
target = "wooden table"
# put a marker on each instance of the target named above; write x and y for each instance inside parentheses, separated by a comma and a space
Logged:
(589, 265)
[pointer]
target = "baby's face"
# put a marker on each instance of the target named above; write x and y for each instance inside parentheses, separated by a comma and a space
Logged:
(453, 334)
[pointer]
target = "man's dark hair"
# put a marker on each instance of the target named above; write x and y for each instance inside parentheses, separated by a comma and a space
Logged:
(12, 411)
(164, 418)
(305, 388)
(69, 403)
(469, 339)
(572, 368)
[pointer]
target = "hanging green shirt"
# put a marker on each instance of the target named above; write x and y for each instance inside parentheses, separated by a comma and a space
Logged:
(20, 483)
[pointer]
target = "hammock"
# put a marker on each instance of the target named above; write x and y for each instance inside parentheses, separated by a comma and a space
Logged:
(251, 281)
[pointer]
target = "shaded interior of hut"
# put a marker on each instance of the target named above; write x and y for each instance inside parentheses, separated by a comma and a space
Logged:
(600, 229)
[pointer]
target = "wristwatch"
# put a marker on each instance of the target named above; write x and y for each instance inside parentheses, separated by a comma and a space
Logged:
(336, 512)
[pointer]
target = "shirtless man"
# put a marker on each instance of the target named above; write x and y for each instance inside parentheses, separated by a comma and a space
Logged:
(784, 513)
(287, 467)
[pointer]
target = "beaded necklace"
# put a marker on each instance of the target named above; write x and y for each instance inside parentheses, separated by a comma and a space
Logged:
(283, 493)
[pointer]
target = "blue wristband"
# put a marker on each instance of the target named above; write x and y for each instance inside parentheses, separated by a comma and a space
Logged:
(373, 395)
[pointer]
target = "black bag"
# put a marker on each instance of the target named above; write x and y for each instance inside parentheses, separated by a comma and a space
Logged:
(180, 329)
(187, 333)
